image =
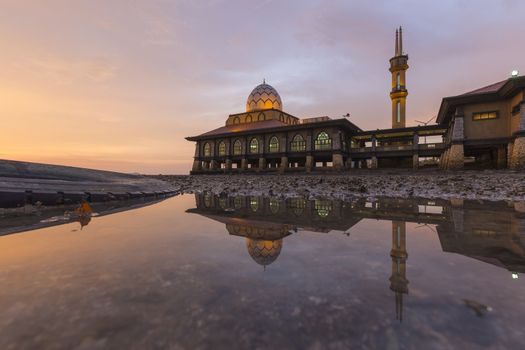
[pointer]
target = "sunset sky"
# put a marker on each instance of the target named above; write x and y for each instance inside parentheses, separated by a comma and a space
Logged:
(118, 84)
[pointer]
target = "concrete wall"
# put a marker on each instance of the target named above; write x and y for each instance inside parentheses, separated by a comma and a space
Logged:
(491, 128)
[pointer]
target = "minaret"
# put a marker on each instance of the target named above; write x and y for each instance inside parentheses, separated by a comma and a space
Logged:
(398, 280)
(398, 95)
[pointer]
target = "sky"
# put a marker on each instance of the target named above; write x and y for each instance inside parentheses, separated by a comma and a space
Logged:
(118, 84)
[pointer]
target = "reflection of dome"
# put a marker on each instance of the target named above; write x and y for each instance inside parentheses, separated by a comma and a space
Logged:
(263, 96)
(264, 252)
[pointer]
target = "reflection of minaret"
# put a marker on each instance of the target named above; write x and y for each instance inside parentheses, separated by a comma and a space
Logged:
(398, 281)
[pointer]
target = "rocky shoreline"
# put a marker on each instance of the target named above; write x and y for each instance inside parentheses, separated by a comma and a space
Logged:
(474, 185)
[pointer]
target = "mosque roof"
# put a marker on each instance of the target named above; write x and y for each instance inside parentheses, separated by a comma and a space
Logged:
(487, 89)
(245, 127)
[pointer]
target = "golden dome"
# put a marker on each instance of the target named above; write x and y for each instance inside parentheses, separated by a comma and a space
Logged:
(264, 96)
(264, 252)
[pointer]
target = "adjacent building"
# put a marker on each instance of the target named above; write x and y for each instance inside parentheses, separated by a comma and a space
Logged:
(482, 128)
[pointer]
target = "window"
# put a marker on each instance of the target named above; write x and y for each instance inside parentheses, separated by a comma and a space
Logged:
(248, 119)
(254, 203)
(236, 120)
(298, 144)
(274, 206)
(323, 208)
(237, 148)
(207, 199)
(261, 117)
(254, 146)
(484, 115)
(237, 203)
(398, 112)
(516, 109)
(398, 81)
(323, 141)
(207, 149)
(222, 149)
(274, 145)
(298, 205)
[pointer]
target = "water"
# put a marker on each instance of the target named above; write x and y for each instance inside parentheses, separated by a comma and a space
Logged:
(249, 272)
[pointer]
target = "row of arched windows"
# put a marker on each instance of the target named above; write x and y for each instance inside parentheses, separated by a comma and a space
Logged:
(298, 144)
(323, 208)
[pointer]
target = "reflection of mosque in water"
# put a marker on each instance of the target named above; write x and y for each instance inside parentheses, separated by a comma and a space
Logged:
(495, 235)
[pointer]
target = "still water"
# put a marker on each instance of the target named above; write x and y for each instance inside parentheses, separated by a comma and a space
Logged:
(197, 271)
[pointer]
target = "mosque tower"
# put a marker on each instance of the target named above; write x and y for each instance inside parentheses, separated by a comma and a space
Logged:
(398, 280)
(398, 95)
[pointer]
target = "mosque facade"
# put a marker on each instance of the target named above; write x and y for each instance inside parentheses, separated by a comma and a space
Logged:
(484, 128)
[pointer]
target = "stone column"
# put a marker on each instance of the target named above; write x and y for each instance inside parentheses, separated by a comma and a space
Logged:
(510, 147)
(518, 149)
(415, 161)
(228, 164)
(309, 163)
(456, 156)
(284, 164)
(373, 163)
(213, 164)
(501, 157)
(262, 163)
(443, 160)
(196, 165)
(244, 164)
(337, 161)
(348, 164)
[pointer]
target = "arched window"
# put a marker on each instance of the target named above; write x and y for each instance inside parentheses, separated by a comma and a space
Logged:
(323, 208)
(236, 120)
(273, 145)
(323, 141)
(207, 199)
(288, 120)
(398, 112)
(237, 148)
(398, 81)
(274, 206)
(237, 202)
(254, 203)
(261, 117)
(254, 146)
(207, 149)
(248, 119)
(222, 148)
(298, 144)
(298, 205)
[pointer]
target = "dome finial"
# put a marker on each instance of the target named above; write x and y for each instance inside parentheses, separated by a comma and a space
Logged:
(264, 80)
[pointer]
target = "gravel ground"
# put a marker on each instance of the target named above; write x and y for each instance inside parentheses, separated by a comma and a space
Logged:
(482, 185)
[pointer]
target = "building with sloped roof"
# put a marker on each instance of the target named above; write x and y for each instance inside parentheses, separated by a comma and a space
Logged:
(482, 128)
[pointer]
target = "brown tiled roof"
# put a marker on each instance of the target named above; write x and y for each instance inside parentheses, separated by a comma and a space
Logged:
(245, 127)
(487, 89)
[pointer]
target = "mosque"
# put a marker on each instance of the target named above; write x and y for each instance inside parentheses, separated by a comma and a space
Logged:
(483, 128)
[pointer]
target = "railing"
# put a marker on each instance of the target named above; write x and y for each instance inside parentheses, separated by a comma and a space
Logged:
(423, 146)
